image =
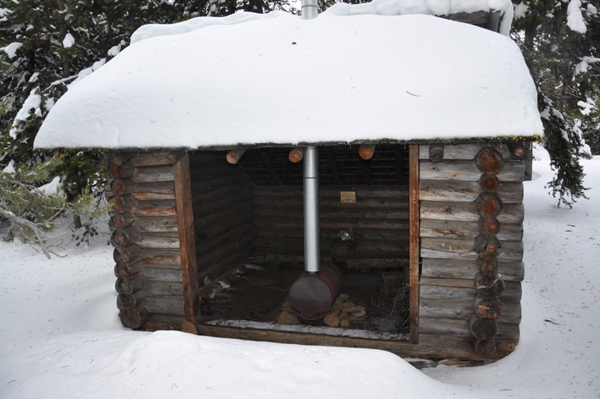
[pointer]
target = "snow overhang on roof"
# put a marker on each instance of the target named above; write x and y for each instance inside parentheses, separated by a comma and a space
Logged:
(282, 80)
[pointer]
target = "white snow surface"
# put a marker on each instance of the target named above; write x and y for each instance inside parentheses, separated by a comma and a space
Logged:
(61, 337)
(68, 41)
(11, 49)
(52, 188)
(575, 17)
(32, 103)
(284, 80)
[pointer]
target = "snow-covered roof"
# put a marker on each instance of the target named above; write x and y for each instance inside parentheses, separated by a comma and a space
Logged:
(275, 78)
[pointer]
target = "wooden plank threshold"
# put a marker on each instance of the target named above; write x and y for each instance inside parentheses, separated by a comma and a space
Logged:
(431, 346)
(307, 329)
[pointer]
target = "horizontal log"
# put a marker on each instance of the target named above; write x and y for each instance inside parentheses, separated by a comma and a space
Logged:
(335, 213)
(436, 153)
(123, 203)
(156, 256)
(216, 172)
(510, 311)
(216, 256)
(466, 191)
(231, 235)
(231, 213)
(366, 151)
(129, 269)
(430, 228)
(155, 158)
(334, 234)
(430, 345)
(134, 318)
(433, 288)
(296, 154)
(462, 211)
(128, 286)
(121, 220)
(123, 171)
(126, 254)
(204, 233)
(202, 186)
(235, 155)
(156, 224)
(468, 268)
(369, 264)
(124, 237)
(163, 288)
(512, 171)
(171, 305)
(461, 327)
(383, 248)
(118, 158)
(362, 192)
(157, 241)
(333, 203)
(151, 174)
(489, 287)
(225, 203)
(236, 259)
(467, 151)
(208, 197)
(154, 208)
(131, 301)
(144, 191)
(387, 224)
(162, 274)
(449, 248)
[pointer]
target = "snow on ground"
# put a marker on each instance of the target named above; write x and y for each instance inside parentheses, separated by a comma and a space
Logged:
(61, 336)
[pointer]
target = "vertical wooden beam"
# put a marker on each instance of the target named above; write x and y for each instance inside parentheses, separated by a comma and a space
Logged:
(413, 190)
(187, 245)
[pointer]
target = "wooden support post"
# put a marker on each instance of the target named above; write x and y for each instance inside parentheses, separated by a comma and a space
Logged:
(187, 246)
(413, 191)
(297, 154)
(366, 151)
(234, 156)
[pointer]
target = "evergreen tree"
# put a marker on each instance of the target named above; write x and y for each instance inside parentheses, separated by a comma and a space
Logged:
(560, 41)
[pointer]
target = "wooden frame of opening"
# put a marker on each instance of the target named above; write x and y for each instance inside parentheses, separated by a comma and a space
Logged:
(181, 172)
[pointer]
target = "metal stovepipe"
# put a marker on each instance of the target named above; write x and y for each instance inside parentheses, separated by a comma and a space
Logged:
(310, 9)
(312, 249)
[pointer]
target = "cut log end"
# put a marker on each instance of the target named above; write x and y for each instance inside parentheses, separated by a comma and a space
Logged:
(485, 347)
(488, 308)
(489, 183)
(297, 154)
(234, 156)
(488, 205)
(489, 287)
(436, 153)
(367, 151)
(482, 328)
(489, 160)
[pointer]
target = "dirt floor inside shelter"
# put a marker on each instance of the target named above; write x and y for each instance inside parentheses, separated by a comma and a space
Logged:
(256, 293)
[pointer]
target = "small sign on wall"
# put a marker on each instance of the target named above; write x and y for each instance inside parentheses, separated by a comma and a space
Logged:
(348, 197)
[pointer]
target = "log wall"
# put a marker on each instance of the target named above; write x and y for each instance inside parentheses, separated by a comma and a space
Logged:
(144, 233)
(223, 210)
(471, 235)
(378, 222)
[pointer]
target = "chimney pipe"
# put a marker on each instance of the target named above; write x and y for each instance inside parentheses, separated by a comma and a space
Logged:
(310, 9)
(312, 250)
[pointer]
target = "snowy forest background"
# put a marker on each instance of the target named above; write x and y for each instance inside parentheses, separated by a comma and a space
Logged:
(48, 45)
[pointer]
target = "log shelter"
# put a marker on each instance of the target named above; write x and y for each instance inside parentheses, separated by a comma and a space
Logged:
(442, 217)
